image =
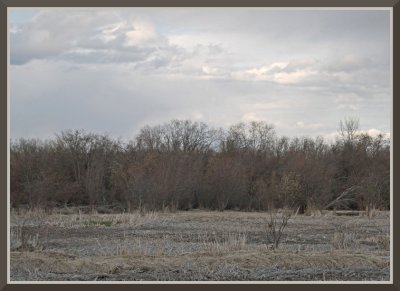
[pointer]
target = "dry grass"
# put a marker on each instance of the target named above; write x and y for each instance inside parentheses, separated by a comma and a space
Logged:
(344, 238)
(232, 243)
(371, 211)
(196, 245)
(22, 241)
(58, 263)
(76, 220)
(381, 241)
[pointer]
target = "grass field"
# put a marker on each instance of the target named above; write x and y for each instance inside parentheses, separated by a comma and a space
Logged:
(197, 245)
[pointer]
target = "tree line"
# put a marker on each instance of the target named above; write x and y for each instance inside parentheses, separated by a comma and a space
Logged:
(184, 165)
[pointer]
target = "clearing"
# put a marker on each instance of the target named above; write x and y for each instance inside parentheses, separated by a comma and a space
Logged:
(197, 245)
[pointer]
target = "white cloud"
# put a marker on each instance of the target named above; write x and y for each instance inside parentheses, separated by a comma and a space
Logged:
(210, 71)
(251, 116)
(118, 69)
(343, 77)
(351, 62)
(271, 105)
(331, 136)
(198, 115)
(280, 72)
(94, 36)
(142, 32)
(110, 32)
(375, 132)
(302, 63)
(306, 125)
(293, 77)
(348, 101)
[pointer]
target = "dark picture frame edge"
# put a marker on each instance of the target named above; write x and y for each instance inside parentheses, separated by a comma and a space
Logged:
(198, 3)
(4, 4)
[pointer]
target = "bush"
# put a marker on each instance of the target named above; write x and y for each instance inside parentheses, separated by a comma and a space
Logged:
(277, 223)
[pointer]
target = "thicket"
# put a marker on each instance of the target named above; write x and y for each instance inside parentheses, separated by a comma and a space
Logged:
(184, 165)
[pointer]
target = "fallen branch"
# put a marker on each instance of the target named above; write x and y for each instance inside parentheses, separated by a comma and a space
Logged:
(342, 197)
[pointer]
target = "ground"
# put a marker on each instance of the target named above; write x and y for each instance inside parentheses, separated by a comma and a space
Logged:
(197, 245)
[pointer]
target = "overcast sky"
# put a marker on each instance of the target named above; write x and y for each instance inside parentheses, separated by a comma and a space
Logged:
(116, 70)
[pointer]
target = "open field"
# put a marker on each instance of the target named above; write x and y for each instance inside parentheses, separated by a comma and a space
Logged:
(197, 245)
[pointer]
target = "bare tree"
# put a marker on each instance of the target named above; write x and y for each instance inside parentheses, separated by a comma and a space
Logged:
(277, 223)
(183, 165)
(348, 129)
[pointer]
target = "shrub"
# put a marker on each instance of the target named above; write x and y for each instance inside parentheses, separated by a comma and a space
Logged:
(277, 223)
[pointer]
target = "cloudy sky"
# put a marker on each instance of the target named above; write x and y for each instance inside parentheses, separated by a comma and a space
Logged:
(116, 70)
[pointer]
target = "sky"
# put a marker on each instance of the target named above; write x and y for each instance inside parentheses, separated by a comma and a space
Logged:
(116, 70)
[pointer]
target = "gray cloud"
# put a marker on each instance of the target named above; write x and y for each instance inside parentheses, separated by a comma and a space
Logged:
(116, 70)
(90, 37)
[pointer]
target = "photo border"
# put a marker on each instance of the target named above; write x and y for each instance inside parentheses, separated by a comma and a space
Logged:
(4, 133)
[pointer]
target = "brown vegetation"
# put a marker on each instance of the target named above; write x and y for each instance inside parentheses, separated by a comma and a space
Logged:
(185, 165)
(197, 245)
